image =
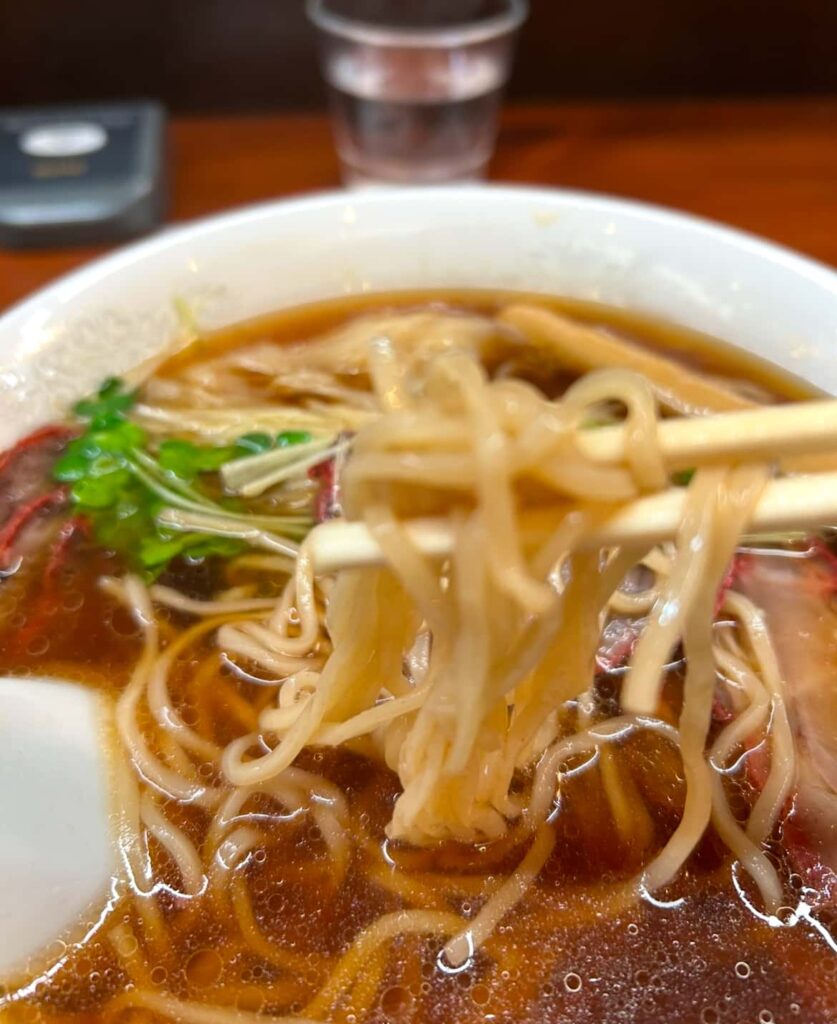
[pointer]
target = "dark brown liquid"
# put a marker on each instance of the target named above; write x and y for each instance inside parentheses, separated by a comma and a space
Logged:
(570, 952)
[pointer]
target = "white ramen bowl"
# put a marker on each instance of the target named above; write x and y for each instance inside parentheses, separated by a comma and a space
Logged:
(114, 313)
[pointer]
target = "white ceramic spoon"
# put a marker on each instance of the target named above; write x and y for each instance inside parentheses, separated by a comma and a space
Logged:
(56, 853)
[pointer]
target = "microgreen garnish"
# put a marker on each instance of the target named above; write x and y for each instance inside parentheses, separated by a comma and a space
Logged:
(123, 485)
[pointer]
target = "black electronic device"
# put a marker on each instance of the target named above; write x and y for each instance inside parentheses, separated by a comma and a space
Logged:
(80, 174)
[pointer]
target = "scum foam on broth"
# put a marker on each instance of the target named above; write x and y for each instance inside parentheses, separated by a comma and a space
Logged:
(288, 899)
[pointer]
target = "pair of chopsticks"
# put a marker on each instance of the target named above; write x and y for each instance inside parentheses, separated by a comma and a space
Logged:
(801, 433)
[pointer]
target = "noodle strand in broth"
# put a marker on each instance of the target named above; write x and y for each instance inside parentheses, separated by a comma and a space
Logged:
(408, 738)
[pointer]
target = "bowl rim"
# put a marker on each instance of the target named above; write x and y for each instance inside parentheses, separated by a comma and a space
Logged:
(67, 286)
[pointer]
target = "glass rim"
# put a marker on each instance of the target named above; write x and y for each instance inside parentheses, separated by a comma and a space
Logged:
(465, 33)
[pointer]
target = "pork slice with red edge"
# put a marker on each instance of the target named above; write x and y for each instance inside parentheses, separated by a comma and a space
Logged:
(25, 468)
(618, 640)
(328, 475)
(795, 595)
(28, 495)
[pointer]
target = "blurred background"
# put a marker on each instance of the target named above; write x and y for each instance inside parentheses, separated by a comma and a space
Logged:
(726, 108)
(213, 56)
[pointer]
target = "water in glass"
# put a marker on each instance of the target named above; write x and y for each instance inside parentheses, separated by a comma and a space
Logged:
(410, 116)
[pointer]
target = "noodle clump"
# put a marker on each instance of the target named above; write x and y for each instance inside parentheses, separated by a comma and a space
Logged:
(472, 676)
(508, 627)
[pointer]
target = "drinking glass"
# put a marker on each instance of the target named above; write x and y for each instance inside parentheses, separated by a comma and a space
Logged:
(415, 85)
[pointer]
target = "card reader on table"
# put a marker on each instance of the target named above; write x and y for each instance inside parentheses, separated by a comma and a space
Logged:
(75, 175)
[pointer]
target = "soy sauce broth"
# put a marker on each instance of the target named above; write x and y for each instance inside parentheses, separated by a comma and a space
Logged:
(570, 952)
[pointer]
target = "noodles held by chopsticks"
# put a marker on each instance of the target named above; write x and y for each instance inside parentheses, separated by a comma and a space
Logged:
(461, 737)
(471, 676)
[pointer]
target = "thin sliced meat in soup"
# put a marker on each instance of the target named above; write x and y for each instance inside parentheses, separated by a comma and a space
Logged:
(797, 596)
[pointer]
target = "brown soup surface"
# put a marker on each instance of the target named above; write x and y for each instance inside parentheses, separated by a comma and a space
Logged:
(267, 940)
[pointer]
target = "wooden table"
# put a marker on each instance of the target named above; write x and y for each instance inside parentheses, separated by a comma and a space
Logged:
(769, 167)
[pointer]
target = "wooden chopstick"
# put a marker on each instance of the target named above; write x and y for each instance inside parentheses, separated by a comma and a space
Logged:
(580, 348)
(791, 503)
(793, 430)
